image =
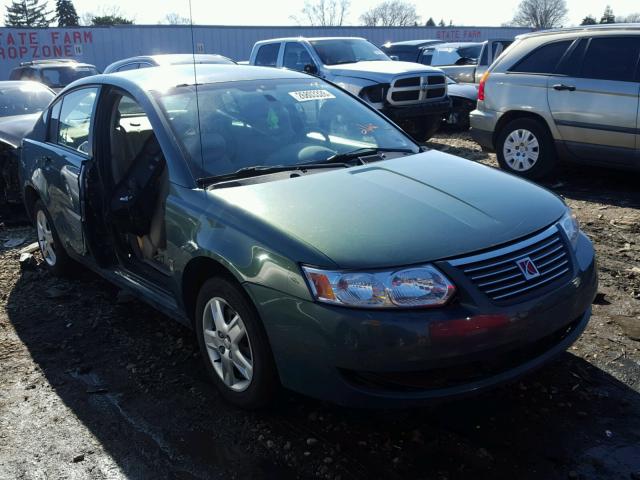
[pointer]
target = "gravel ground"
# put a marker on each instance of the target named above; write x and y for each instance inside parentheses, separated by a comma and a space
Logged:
(94, 384)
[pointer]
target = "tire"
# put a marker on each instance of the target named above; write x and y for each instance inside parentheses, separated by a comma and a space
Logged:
(421, 129)
(539, 158)
(53, 253)
(228, 350)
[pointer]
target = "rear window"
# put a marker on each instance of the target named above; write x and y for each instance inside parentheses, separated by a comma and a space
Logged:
(612, 58)
(267, 55)
(544, 59)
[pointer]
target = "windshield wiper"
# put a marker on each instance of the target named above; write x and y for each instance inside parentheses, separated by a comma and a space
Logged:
(364, 152)
(257, 170)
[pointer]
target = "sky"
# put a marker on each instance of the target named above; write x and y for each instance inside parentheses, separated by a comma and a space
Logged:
(279, 12)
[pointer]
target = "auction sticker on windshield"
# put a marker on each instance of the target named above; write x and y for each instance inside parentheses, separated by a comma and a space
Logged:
(308, 95)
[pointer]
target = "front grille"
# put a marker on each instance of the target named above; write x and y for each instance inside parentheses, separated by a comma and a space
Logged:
(406, 96)
(408, 82)
(498, 275)
(416, 90)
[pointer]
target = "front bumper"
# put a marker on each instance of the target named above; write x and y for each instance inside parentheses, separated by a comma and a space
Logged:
(436, 108)
(387, 359)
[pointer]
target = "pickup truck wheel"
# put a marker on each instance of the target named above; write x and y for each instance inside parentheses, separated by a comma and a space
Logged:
(234, 345)
(525, 147)
(421, 129)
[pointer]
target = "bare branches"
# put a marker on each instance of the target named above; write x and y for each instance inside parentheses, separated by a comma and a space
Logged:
(391, 13)
(541, 14)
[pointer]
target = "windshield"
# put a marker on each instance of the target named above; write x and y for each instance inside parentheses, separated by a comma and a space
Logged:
(272, 122)
(28, 98)
(57, 77)
(336, 52)
(451, 55)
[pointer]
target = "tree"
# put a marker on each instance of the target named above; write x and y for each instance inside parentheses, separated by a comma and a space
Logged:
(608, 16)
(589, 20)
(391, 13)
(442, 24)
(66, 14)
(541, 14)
(175, 19)
(324, 13)
(27, 13)
(106, 16)
(430, 22)
(631, 18)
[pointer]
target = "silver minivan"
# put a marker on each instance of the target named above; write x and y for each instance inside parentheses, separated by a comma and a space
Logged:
(569, 94)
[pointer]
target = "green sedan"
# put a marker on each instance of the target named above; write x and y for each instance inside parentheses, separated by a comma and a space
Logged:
(306, 239)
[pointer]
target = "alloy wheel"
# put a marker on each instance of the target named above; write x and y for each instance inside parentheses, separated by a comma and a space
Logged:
(228, 344)
(45, 238)
(521, 150)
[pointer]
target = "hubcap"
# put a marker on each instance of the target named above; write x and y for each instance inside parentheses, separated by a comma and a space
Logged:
(45, 238)
(521, 150)
(228, 345)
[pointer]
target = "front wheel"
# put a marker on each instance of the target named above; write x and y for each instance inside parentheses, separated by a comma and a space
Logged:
(421, 129)
(234, 345)
(525, 147)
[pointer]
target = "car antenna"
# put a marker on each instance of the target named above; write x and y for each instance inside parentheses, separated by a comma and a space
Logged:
(195, 80)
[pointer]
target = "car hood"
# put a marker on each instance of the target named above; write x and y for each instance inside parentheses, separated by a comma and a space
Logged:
(464, 90)
(13, 129)
(399, 212)
(379, 71)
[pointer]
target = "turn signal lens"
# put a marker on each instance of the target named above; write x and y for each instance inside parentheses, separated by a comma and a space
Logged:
(569, 223)
(481, 87)
(410, 288)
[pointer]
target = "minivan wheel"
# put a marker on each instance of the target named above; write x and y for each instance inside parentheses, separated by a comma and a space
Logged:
(234, 346)
(524, 147)
(55, 257)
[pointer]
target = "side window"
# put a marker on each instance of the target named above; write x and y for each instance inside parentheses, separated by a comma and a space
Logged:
(613, 58)
(544, 59)
(267, 55)
(427, 56)
(75, 119)
(54, 122)
(571, 64)
(296, 56)
(128, 66)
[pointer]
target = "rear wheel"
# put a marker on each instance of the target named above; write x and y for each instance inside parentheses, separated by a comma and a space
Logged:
(55, 257)
(234, 346)
(421, 129)
(525, 147)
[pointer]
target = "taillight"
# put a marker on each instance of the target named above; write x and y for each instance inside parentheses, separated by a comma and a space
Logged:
(483, 81)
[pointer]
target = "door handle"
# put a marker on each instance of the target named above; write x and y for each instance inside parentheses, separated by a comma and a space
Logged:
(562, 87)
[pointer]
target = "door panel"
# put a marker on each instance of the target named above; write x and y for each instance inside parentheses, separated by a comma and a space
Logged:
(595, 106)
(67, 149)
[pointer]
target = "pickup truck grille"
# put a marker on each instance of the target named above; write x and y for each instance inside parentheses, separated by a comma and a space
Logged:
(410, 90)
(500, 274)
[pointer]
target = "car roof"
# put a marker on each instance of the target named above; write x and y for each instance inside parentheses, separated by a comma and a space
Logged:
(21, 83)
(619, 28)
(167, 77)
(413, 43)
(458, 44)
(308, 39)
(54, 63)
(175, 59)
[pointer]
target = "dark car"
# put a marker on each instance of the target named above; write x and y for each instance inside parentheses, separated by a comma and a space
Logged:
(408, 50)
(146, 61)
(308, 241)
(55, 74)
(20, 107)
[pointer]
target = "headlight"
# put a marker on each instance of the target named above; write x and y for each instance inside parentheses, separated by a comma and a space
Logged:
(423, 286)
(571, 227)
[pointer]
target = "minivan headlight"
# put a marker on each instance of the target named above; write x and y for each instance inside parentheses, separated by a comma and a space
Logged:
(569, 223)
(423, 286)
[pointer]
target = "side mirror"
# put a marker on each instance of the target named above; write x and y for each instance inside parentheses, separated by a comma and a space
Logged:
(311, 69)
(395, 58)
